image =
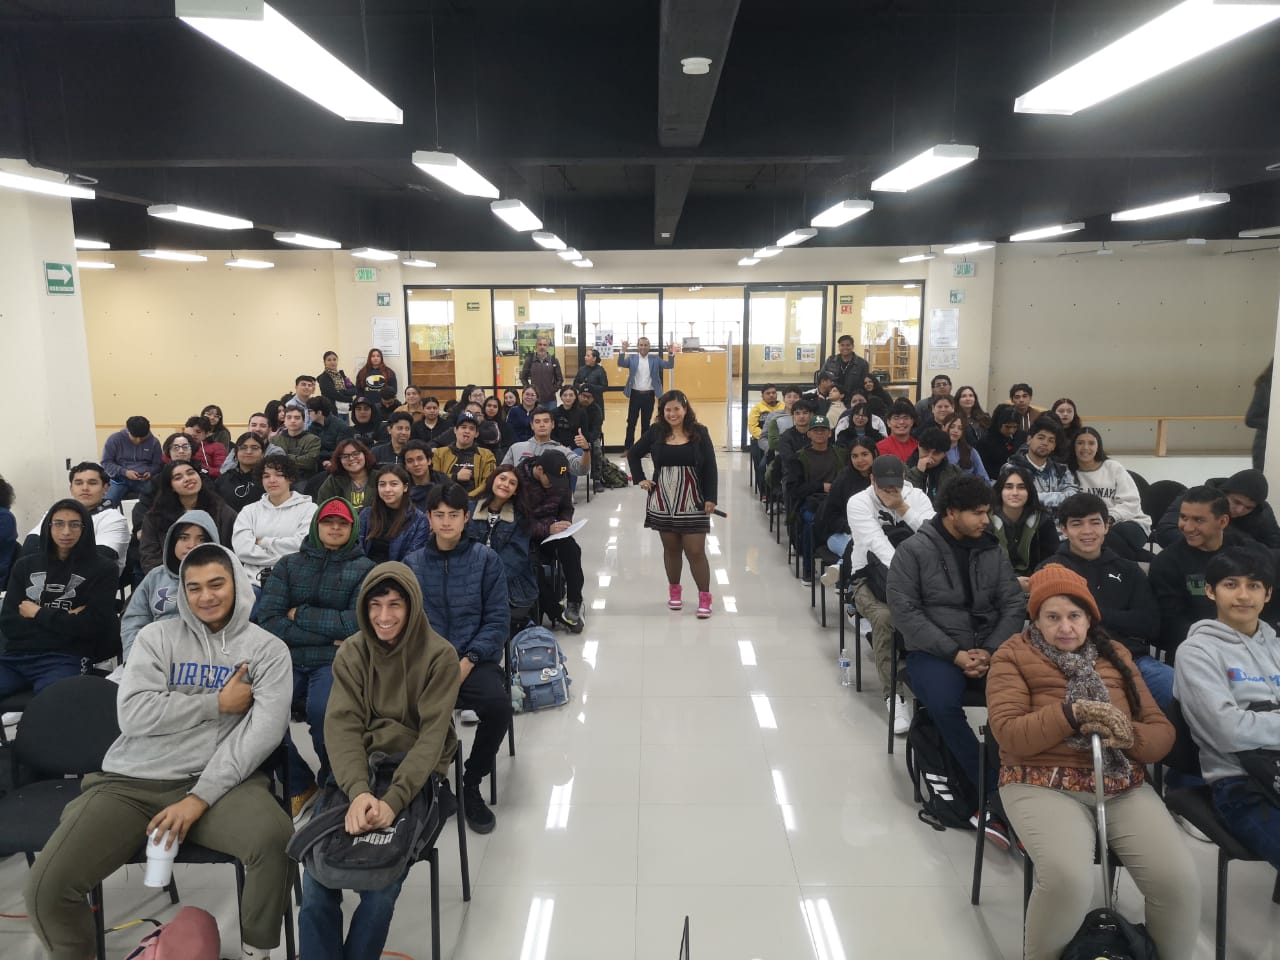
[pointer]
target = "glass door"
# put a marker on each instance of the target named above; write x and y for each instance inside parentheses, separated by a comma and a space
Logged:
(884, 321)
(614, 320)
(784, 342)
(450, 339)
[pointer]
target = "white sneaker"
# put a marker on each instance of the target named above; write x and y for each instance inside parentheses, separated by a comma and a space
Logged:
(831, 575)
(468, 717)
(9, 719)
(901, 717)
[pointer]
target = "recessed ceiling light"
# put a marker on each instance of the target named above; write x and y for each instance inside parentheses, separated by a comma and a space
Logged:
(52, 188)
(696, 66)
(842, 213)
(748, 261)
(95, 265)
(179, 255)
(918, 258)
(923, 167)
(544, 289)
(417, 262)
(570, 254)
(201, 218)
(1181, 205)
(963, 248)
(764, 252)
(82, 244)
(797, 236)
(1259, 232)
(373, 253)
(911, 286)
(584, 263)
(548, 241)
(243, 263)
(453, 172)
(515, 215)
(1041, 233)
(306, 240)
(665, 235)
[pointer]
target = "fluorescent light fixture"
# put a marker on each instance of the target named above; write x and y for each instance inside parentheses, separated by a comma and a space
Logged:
(82, 244)
(918, 257)
(797, 237)
(95, 265)
(52, 188)
(245, 263)
(1171, 39)
(179, 255)
(201, 218)
(765, 252)
(273, 44)
(1181, 205)
(842, 213)
(911, 286)
(924, 167)
(1042, 233)
(584, 263)
(515, 215)
(570, 254)
(963, 248)
(307, 240)
(548, 241)
(748, 261)
(605, 579)
(416, 262)
(453, 172)
(1196, 241)
(373, 253)
(1259, 232)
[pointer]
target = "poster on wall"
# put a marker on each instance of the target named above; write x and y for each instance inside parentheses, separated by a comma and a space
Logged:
(807, 354)
(944, 358)
(527, 335)
(944, 328)
(604, 343)
(385, 336)
(773, 353)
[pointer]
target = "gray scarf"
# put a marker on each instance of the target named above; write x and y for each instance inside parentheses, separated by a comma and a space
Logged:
(1083, 683)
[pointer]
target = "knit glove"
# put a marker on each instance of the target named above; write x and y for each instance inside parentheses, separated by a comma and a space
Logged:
(1113, 725)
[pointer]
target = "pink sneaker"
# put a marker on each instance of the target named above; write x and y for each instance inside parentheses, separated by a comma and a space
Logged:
(673, 597)
(704, 605)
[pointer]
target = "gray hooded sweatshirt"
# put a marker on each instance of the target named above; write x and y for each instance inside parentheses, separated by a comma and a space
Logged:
(170, 725)
(157, 595)
(1218, 674)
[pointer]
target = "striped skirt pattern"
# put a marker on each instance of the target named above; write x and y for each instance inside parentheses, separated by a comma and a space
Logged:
(675, 502)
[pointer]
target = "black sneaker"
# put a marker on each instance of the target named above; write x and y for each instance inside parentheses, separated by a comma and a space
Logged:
(448, 802)
(479, 817)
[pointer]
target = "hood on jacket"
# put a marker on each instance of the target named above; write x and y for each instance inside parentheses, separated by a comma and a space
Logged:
(418, 638)
(313, 537)
(295, 499)
(481, 511)
(240, 609)
(86, 547)
(201, 519)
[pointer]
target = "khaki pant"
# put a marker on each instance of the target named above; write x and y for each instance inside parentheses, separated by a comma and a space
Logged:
(1058, 830)
(877, 612)
(104, 827)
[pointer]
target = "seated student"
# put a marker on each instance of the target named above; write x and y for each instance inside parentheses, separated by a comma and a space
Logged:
(794, 439)
(239, 484)
(260, 427)
(366, 425)
(1020, 395)
(1177, 573)
(432, 424)
(131, 457)
(268, 531)
(1048, 689)
(872, 388)
(902, 420)
(1251, 515)
(60, 608)
(335, 384)
(301, 447)
(780, 421)
(1103, 477)
(110, 529)
(309, 602)
(8, 531)
(1129, 611)
(932, 471)
(391, 527)
(205, 453)
(568, 418)
(1065, 411)
(463, 461)
(961, 453)
(501, 522)
(542, 422)
(592, 409)
(836, 405)
(768, 403)
(495, 417)
(417, 464)
(464, 591)
(412, 403)
(156, 598)
(350, 469)
(880, 518)
(1053, 478)
(203, 702)
(831, 525)
(1225, 682)
(807, 479)
(856, 423)
(399, 432)
(549, 503)
(180, 488)
(939, 386)
(395, 682)
(389, 402)
(941, 409)
(488, 435)
(1002, 440)
(326, 425)
(955, 599)
(977, 420)
(218, 431)
(304, 388)
(1025, 532)
(518, 417)
(819, 396)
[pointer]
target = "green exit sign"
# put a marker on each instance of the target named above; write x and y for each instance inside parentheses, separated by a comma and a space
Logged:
(58, 279)
(473, 306)
(366, 274)
(964, 269)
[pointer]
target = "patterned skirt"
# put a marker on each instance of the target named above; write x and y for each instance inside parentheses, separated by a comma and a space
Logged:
(675, 502)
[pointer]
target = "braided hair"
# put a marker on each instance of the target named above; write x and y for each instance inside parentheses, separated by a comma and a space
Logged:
(1106, 648)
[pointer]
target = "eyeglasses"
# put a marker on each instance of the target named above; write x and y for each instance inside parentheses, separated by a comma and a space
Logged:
(352, 456)
(246, 447)
(179, 446)
(66, 525)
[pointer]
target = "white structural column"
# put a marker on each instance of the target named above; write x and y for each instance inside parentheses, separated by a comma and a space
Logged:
(44, 358)
(1273, 421)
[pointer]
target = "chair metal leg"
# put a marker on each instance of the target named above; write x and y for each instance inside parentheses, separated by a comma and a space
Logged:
(290, 942)
(240, 896)
(893, 694)
(857, 649)
(822, 592)
(976, 893)
(99, 922)
(463, 860)
(172, 887)
(1275, 894)
(1220, 923)
(840, 635)
(433, 860)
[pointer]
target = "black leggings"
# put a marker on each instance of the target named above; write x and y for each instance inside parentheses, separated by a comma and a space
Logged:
(676, 546)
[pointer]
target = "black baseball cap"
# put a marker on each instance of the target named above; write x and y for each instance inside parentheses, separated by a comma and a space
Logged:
(555, 465)
(888, 471)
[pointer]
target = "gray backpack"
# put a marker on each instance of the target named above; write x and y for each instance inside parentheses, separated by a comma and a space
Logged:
(538, 675)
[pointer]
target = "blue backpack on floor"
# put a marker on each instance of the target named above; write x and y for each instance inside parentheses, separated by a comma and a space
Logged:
(538, 675)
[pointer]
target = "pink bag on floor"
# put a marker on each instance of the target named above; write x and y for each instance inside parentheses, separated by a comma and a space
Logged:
(191, 935)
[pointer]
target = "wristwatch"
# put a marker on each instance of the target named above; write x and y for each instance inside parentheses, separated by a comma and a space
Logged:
(473, 657)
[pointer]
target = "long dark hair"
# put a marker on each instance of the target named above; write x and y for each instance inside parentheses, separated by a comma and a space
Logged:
(336, 465)
(867, 443)
(965, 454)
(517, 502)
(1072, 429)
(1073, 461)
(167, 503)
(272, 412)
(385, 523)
(1033, 497)
(691, 425)
(6, 494)
(979, 416)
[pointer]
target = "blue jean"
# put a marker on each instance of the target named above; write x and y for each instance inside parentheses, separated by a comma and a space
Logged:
(118, 488)
(806, 542)
(838, 543)
(1250, 818)
(320, 922)
(940, 685)
(36, 670)
(312, 685)
(1159, 679)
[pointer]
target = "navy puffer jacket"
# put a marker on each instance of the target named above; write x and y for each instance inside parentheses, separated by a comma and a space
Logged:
(464, 591)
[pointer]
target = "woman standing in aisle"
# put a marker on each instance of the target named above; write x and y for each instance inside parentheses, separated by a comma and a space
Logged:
(682, 494)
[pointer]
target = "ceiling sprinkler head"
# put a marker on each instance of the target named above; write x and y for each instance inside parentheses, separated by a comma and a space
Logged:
(696, 66)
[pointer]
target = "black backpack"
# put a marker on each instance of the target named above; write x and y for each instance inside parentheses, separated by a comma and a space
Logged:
(947, 800)
(875, 572)
(1105, 935)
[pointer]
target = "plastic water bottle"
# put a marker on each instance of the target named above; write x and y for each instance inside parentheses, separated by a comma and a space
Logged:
(843, 664)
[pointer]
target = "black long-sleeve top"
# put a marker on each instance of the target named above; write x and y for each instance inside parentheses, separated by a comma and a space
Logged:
(704, 458)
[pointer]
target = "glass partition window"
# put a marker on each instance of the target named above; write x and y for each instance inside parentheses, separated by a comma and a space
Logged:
(521, 316)
(884, 320)
(431, 345)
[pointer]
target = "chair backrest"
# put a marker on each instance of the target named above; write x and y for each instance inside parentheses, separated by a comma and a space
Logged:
(1184, 756)
(68, 727)
(1159, 496)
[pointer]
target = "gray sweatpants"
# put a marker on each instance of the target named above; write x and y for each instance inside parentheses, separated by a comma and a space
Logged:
(104, 827)
(1057, 828)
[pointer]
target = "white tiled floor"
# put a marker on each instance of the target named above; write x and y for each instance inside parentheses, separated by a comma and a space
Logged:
(657, 793)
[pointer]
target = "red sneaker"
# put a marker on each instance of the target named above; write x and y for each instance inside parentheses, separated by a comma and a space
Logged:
(704, 605)
(673, 597)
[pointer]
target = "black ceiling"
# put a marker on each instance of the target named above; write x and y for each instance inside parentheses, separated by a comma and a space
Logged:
(578, 107)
